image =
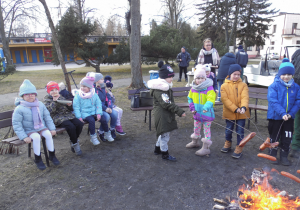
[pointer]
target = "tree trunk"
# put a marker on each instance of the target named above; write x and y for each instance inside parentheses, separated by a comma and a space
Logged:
(57, 46)
(233, 30)
(135, 45)
(97, 68)
(226, 25)
(5, 41)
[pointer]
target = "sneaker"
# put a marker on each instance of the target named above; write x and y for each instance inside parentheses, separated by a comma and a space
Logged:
(113, 133)
(108, 137)
(101, 135)
(94, 139)
(119, 130)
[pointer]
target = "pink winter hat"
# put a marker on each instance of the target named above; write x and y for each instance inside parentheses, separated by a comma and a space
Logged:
(88, 82)
(200, 72)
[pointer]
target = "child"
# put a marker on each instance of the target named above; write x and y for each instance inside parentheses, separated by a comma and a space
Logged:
(30, 120)
(284, 102)
(235, 98)
(87, 106)
(109, 85)
(62, 115)
(104, 132)
(164, 109)
(201, 99)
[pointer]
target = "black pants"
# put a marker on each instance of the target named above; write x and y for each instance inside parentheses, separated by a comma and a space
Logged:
(184, 69)
(285, 133)
(73, 127)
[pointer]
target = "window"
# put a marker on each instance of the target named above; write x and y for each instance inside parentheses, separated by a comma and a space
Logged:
(294, 25)
(274, 29)
(298, 42)
(249, 48)
(272, 43)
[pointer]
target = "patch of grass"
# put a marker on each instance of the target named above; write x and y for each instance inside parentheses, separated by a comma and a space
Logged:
(12, 83)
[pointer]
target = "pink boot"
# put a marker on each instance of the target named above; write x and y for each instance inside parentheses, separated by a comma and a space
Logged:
(193, 144)
(119, 130)
(205, 147)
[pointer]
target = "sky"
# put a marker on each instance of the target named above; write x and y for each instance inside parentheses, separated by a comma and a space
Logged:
(150, 9)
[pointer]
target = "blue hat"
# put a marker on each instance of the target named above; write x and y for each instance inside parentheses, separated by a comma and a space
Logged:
(286, 67)
(240, 47)
(107, 78)
(109, 84)
(233, 68)
(26, 88)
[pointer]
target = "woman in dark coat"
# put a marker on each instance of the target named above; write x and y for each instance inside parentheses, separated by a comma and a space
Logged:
(208, 55)
(226, 61)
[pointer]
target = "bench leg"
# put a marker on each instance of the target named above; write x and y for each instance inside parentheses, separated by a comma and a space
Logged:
(149, 120)
(45, 151)
(255, 116)
(249, 119)
(29, 150)
(145, 116)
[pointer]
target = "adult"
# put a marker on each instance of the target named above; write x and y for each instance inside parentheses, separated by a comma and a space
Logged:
(241, 58)
(226, 61)
(208, 54)
(295, 145)
(183, 58)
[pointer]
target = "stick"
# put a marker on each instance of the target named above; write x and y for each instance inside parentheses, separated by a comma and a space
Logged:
(219, 207)
(221, 201)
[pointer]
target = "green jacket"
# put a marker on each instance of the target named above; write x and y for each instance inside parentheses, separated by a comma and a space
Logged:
(58, 112)
(164, 107)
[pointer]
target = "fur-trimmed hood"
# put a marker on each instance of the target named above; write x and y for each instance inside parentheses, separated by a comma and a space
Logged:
(159, 84)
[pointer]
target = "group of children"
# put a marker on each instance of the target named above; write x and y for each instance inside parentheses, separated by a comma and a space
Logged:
(93, 102)
(283, 98)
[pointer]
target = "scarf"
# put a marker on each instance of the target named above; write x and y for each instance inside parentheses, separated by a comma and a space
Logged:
(164, 81)
(212, 52)
(87, 95)
(202, 86)
(36, 115)
(289, 84)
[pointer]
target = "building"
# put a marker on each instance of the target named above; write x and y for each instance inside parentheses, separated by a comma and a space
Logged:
(29, 50)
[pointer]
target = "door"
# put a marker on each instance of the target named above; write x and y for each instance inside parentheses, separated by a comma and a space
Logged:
(48, 54)
(34, 57)
(71, 56)
(18, 56)
(25, 56)
(41, 56)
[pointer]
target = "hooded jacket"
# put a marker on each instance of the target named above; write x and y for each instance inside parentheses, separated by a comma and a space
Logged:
(87, 107)
(242, 58)
(164, 107)
(283, 100)
(104, 97)
(226, 61)
(185, 59)
(234, 95)
(58, 112)
(23, 123)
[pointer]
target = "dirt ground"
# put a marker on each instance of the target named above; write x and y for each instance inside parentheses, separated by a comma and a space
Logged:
(125, 174)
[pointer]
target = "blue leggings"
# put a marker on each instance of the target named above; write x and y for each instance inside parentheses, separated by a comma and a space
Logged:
(92, 119)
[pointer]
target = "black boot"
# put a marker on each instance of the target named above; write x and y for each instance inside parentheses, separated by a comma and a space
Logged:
(53, 159)
(39, 162)
(273, 153)
(179, 80)
(284, 158)
(157, 151)
(186, 79)
(294, 153)
(166, 156)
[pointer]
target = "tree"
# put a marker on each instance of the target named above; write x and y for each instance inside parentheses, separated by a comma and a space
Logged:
(56, 44)
(121, 54)
(9, 70)
(73, 36)
(254, 16)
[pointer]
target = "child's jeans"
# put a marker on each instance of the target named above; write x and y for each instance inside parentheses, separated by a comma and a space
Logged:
(283, 130)
(92, 119)
(206, 128)
(113, 120)
(239, 128)
(162, 141)
(120, 113)
(36, 139)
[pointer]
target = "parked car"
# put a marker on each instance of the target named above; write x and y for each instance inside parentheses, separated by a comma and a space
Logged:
(270, 56)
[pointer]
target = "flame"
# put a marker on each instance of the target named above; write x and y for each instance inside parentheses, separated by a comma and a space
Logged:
(264, 197)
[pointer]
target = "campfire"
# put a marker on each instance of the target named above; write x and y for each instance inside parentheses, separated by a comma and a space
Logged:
(259, 194)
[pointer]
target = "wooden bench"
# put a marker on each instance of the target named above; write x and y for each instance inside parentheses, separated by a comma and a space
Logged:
(11, 142)
(177, 92)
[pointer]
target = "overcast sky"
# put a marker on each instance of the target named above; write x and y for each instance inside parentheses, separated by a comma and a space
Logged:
(150, 9)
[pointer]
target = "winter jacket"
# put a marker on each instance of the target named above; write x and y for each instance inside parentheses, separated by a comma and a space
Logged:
(226, 61)
(296, 62)
(212, 76)
(23, 123)
(66, 94)
(105, 98)
(282, 100)
(202, 100)
(164, 107)
(208, 58)
(58, 112)
(185, 61)
(86, 107)
(242, 58)
(234, 95)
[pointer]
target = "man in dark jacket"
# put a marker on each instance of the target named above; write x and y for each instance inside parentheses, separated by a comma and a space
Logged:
(183, 59)
(241, 59)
